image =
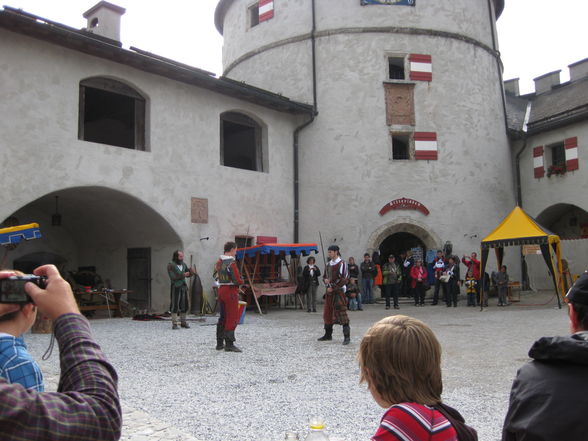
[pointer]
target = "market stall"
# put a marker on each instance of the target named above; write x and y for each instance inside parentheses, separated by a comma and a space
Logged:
(271, 269)
(518, 228)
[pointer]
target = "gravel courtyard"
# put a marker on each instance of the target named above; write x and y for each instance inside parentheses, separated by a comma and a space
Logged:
(284, 376)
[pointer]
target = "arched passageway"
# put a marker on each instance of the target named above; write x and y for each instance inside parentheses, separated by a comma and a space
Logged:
(111, 233)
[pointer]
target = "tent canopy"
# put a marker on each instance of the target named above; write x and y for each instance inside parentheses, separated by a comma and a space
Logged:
(518, 228)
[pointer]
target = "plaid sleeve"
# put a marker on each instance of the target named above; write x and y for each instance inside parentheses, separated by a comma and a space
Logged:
(86, 407)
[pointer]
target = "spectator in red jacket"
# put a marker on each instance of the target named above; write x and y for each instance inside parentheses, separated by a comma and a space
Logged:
(418, 276)
(474, 264)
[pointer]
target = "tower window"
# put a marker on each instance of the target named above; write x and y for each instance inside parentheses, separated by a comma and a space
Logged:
(111, 113)
(400, 146)
(254, 15)
(240, 142)
(396, 68)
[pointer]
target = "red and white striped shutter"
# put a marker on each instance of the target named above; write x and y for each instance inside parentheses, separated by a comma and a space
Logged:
(266, 10)
(421, 68)
(571, 146)
(538, 166)
(425, 145)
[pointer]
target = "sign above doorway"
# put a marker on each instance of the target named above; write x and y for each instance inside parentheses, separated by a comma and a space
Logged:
(404, 204)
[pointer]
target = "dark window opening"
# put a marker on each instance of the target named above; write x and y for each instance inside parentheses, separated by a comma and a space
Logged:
(254, 15)
(558, 154)
(111, 113)
(244, 241)
(240, 142)
(400, 147)
(396, 68)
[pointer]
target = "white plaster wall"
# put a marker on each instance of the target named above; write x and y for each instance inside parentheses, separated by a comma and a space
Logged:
(346, 152)
(540, 194)
(347, 175)
(293, 18)
(39, 86)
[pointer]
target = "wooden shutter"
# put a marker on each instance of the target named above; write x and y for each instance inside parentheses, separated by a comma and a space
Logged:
(425, 145)
(421, 68)
(571, 147)
(266, 10)
(538, 166)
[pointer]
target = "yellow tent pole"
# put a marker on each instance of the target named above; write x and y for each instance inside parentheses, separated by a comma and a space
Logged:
(560, 269)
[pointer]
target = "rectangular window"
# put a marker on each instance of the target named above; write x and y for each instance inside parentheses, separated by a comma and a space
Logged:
(558, 154)
(254, 15)
(243, 241)
(401, 146)
(111, 113)
(396, 68)
(240, 142)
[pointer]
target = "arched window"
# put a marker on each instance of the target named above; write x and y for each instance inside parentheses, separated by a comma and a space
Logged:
(111, 113)
(241, 142)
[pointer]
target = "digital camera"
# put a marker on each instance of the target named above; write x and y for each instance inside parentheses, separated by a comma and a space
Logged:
(12, 288)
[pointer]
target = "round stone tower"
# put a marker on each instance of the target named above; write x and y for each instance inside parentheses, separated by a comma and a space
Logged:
(409, 145)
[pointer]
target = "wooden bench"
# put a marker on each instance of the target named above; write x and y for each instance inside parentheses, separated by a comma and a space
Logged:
(514, 286)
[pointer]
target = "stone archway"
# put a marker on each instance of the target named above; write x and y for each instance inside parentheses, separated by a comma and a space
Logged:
(404, 225)
(102, 230)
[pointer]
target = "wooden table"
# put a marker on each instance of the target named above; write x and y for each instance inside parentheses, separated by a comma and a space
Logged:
(109, 298)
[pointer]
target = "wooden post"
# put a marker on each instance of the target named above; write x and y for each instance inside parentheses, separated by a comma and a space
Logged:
(252, 289)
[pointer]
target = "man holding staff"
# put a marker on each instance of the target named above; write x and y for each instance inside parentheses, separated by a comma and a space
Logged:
(335, 311)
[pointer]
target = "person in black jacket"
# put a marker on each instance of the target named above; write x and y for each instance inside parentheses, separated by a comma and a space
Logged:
(310, 282)
(548, 397)
(452, 270)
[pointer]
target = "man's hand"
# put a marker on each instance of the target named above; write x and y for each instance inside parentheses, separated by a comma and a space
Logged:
(57, 297)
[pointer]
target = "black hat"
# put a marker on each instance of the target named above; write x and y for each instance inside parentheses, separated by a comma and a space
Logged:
(578, 293)
(334, 248)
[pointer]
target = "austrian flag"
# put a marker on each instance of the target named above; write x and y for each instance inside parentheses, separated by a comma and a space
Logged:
(266, 10)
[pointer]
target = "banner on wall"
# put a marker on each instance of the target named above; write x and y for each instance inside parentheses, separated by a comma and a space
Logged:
(388, 2)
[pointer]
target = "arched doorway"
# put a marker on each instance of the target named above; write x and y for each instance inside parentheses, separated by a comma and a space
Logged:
(106, 231)
(401, 234)
(570, 223)
(398, 243)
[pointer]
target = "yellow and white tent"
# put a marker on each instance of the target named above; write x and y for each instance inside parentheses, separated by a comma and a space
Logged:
(518, 228)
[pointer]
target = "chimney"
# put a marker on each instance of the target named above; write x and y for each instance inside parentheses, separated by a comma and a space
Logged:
(545, 83)
(104, 20)
(512, 87)
(578, 70)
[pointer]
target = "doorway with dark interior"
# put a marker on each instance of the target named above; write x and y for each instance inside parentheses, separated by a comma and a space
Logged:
(139, 277)
(398, 243)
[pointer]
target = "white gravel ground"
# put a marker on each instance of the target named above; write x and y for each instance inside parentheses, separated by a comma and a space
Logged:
(284, 375)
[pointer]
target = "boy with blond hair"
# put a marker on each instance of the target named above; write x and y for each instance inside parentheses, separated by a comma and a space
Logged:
(400, 360)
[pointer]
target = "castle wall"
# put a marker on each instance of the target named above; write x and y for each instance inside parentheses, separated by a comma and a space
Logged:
(347, 174)
(42, 153)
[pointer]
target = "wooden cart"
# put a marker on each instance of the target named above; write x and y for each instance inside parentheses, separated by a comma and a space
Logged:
(271, 269)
